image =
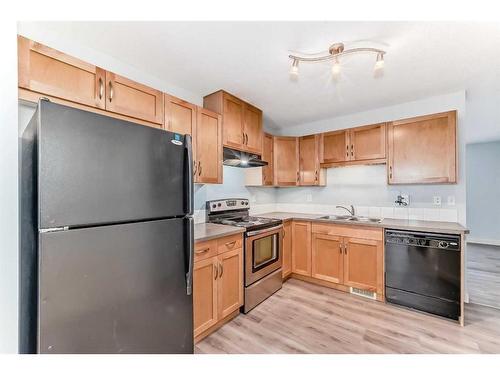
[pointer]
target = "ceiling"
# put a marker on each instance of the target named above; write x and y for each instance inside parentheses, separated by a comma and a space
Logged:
(250, 60)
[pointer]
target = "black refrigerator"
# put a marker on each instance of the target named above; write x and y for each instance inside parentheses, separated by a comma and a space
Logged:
(106, 254)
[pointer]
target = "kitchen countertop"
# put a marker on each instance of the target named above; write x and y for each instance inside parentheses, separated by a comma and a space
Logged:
(209, 231)
(416, 225)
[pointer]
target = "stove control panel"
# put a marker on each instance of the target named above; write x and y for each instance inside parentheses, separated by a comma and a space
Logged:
(227, 205)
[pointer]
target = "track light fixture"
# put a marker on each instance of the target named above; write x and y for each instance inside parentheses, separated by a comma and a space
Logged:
(336, 51)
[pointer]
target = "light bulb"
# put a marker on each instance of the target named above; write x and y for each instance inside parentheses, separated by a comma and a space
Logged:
(294, 70)
(336, 68)
(379, 63)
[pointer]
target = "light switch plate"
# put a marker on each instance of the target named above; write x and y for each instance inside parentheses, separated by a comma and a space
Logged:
(436, 200)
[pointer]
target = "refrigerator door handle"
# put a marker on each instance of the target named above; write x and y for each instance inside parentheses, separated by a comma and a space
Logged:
(189, 254)
(188, 174)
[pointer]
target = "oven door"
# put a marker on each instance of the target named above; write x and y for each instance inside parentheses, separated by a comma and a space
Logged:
(263, 253)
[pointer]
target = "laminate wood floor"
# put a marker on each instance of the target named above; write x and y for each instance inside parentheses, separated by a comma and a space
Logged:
(307, 318)
(483, 274)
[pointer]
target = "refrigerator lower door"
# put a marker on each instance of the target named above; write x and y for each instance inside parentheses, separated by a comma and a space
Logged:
(115, 289)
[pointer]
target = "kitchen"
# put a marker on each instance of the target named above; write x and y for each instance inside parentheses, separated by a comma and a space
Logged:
(343, 232)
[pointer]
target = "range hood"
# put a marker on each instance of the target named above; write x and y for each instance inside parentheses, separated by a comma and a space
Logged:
(241, 159)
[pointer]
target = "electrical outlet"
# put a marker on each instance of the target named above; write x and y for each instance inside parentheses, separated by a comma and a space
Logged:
(309, 198)
(253, 199)
(451, 200)
(405, 198)
(436, 200)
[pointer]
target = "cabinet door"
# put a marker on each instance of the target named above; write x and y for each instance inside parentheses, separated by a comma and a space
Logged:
(268, 155)
(205, 298)
(47, 71)
(180, 116)
(252, 129)
(335, 147)
(301, 248)
(363, 264)
(309, 160)
(368, 142)
(327, 258)
(133, 99)
(287, 249)
(423, 150)
(286, 161)
(233, 121)
(230, 282)
(208, 163)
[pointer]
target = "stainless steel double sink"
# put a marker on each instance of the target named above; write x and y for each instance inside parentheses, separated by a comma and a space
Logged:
(351, 218)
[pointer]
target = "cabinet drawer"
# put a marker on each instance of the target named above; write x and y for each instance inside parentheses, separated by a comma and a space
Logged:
(229, 243)
(348, 231)
(204, 250)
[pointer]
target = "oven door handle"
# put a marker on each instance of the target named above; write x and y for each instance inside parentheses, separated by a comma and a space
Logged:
(257, 232)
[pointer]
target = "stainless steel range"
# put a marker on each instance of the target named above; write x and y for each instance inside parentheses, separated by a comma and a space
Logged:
(262, 249)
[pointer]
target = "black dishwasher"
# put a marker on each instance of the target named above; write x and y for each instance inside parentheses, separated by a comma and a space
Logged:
(422, 271)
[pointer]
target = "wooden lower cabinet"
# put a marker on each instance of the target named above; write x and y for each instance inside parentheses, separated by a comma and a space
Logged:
(327, 258)
(363, 264)
(217, 282)
(301, 248)
(286, 267)
(339, 256)
(205, 294)
(230, 282)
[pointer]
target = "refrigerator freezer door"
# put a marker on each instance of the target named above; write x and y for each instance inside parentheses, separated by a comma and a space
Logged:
(95, 169)
(115, 289)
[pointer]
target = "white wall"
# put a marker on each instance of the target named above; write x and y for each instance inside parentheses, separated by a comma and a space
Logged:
(262, 199)
(483, 186)
(8, 191)
(365, 186)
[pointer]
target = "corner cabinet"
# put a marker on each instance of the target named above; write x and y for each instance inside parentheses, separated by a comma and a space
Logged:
(241, 122)
(286, 161)
(310, 172)
(217, 283)
(287, 249)
(423, 150)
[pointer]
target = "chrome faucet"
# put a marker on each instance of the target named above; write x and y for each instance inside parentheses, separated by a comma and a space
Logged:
(351, 211)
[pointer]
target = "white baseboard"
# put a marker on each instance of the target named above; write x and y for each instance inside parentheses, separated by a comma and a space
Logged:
(483, 241)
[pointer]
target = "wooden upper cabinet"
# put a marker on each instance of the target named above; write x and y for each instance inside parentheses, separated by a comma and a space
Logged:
(133, 99)
(335, 146)
(287, 249)
(301, 248)
(268, 155)
(309, 161)
(205, 295)
(208, 147)
(368, 142)
(241, 122)
(423, 150)
(180, 116)
(230, 281)
(327, 258)
(286, 161)
(252, 129)
(363, 264)
(47, 71)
